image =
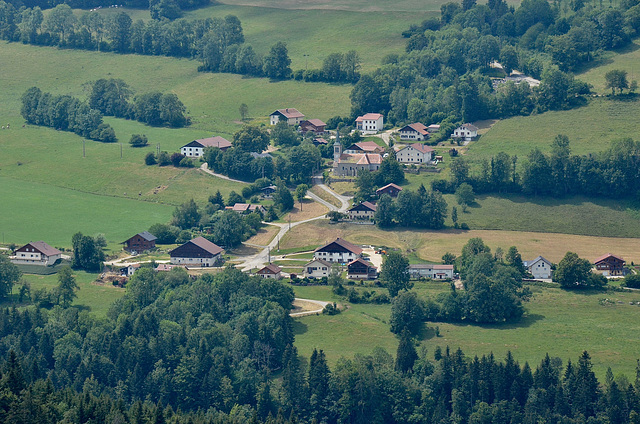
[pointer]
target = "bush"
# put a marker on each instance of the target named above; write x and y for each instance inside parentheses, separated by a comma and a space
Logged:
(186, 163)
(164, 159)
(331, 309)
(176, 158)
(138, 140)
(632, 280)
(150, 159)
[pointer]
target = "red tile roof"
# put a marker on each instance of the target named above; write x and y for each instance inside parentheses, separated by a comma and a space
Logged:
(372, 116)
(43, 248)
(270, 269)
(289, 113)
(423, 148)
(316, 122)
(603, 257)
(205, 244)
(417, 126)
(391, 185)
(216, 141)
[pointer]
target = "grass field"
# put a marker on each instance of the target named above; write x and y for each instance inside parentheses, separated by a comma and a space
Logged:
(431, 245)
(352, 5)
(557, 322)
(626, 59)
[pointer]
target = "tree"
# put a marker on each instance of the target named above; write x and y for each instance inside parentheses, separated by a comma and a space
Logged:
(406, 354)
(228, 229)
(385, 211)
(301, 192)
(165, 234)
(67, 287)
(514, 260)
(9, 275)
(251, 139)
(139, 140)
(282, 198)
(186, 216)
(60, 22)
(244, 111)
(234, 198)
(121, 32)
(407, 313)
(277, 63)
(395, 273)
(365, 183)
(616, 79)
(110, 96)
(284, 134)
(150, 159)
(87, 254)
(454, 216)
(465, 195)
(572, 272)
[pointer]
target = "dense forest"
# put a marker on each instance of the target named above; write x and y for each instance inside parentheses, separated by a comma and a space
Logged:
(219, 349)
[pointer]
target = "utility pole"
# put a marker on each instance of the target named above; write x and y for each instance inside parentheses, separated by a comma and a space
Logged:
(83, 149)
(306, 61)
(120, 150)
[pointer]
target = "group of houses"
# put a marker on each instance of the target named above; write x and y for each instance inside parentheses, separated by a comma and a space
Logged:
(366, 210)
(609, 265)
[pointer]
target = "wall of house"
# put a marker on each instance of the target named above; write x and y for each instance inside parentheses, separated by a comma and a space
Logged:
(411, 155)
(335, 256)
(316, 271)
(192, 152)
(411, 135)
(361, 214)
(198, 262)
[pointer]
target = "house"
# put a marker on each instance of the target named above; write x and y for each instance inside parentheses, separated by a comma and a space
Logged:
(244, 208)
(350, 164)
(198, 252)
(370, 123)
(433, 128)
(291, 115)
(140, 242)
(36, 253)
(128, 271)
(320, 142)
(338, 250)
(434, 272)
(416, 131)
(267, 192)
(364, 147)
(271, 271)
(359, 269)
(390, 189)
(540, 268)
(466, 132)
(364, 210)
(610, 265)
(195, 149)
(317, 268)
(313, 125)
(415, 153)
(168, 267)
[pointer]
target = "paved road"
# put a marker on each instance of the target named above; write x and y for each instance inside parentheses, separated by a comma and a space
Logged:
(205, 168)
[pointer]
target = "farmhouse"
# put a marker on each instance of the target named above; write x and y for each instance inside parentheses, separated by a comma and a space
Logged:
(359, 269)
(129, 270)
(291, 115)
(195, 149)
(416, 131)
(370, 123)
(320, 142)
(314, 125)
(36, 253)
(415, 153)
(338, 250)
(364, 210)
(465, 132)
(267, 192)
(140, 242)
(434, 272)
(244, 208)
(317, 268)
(271, 271)
(540, 268)
(364, 147)
(610, 265)
(198, 252)
(350, 164)
(390, 189)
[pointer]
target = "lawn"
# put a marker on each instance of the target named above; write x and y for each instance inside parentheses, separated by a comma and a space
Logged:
(431, 245)
(557, 322)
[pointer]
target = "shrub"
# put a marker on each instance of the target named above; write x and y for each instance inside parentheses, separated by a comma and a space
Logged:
(186, 163)
(164, 159)
(138, 140)
(632, 280)
(150, 159)
(176, 158)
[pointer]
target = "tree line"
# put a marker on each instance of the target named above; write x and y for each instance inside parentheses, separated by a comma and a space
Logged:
(611, 173)
(156, 7)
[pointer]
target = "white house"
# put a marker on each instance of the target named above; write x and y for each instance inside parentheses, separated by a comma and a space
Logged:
(364, 147)
(195, 149)
(434, 272)
(416, 131)
(540, 268)
(370, 123)
(338, 251)
(415, 153)
(129, 270)
(36, 253)
(317, 268)
(364, 210)
(466, 132)
(291, 115)
(198, 252)
(350, 164)
(271, 271)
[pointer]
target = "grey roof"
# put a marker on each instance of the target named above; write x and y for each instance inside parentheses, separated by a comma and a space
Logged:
(531, 262)
(147, 236)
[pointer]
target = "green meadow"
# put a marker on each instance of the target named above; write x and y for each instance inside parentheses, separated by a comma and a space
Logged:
(626, 59)
(557, 322)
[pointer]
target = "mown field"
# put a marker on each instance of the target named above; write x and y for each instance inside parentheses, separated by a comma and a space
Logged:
(557, 322)
(431, 245)
(352, 5)
(625, 59)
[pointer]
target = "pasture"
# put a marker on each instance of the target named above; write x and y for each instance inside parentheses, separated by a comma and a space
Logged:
(557, 322)
(625, 59)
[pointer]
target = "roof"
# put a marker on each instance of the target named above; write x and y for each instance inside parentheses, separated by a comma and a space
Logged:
(344, 244)
(147, 236)
(366, 146)
(205, 244)
(388, 186)
(608, 255)
(168, 267)
(361, 158)
(434, 127)
(366, 205)
(270, 269)
(431, 266)
(315, 122)
(363, 262)
(320, 141)
(417, 126)
(369, 116)
(322, 261)
(43, 248)
(217, 141)
(422, 148)
(288, 113)
(539, 258)
(469, 127)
